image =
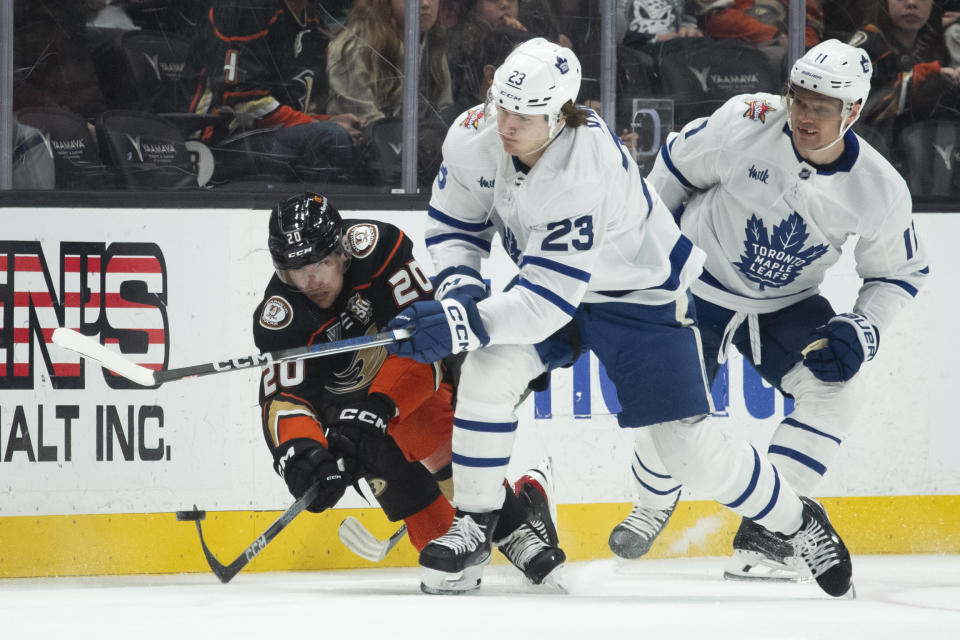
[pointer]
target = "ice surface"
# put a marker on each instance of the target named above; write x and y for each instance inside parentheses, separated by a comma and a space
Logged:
(901, 597)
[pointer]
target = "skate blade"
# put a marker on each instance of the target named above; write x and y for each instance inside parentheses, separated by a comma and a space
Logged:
(554, 582)
(441, 583)
(752, 566)
(851, 594)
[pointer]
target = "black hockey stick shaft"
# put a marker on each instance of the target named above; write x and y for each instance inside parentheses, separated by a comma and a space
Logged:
(225, 573)
(90, 348)
(270, 357)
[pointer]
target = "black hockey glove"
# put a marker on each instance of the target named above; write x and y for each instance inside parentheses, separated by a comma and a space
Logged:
(359, 430)
(302, 463)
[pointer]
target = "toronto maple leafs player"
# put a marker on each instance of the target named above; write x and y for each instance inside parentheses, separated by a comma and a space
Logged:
(602, 266)
(771, 188)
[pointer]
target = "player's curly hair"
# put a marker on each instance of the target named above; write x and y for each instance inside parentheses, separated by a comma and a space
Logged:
(573, 116)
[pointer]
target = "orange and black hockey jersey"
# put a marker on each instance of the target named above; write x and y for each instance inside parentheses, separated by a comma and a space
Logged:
(297, 398)
(260, 59)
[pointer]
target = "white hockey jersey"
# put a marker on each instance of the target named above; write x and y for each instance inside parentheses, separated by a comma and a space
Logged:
(772, 224)
(582, 226)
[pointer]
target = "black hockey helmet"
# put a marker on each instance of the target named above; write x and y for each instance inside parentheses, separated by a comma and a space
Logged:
(303, 229)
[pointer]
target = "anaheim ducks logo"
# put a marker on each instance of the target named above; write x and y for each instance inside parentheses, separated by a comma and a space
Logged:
(360, 239)
(276, 314)
(362, 369)
(377, 485)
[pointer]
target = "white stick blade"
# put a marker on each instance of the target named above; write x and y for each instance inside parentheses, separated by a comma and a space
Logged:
(90, 348)
(356, 538)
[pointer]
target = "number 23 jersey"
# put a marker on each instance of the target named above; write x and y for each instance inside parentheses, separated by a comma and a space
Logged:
(582, 226)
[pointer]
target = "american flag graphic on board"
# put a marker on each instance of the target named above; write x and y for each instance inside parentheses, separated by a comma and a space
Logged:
(117, 292)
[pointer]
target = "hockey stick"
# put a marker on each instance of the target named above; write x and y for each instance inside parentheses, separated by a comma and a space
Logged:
(225, 573)
(358, 539)
(90, 348)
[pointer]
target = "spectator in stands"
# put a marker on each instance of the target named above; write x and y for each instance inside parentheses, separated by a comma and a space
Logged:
(756, 21)
(52, 67)
(483, 48)
(761, 22)
(365, 61)
(32, 162)
(912, 79)
(642, 23)
(260, 59)
(951, 29)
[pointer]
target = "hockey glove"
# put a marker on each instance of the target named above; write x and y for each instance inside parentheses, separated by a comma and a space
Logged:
(359, 430)
(837, 349)
(303, 463)
(439, 329)
(460, 282)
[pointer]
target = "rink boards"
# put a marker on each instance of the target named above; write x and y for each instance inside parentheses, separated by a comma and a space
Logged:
(92, 467)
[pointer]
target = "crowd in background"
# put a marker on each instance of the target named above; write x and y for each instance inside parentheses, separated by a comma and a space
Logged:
(311, 90)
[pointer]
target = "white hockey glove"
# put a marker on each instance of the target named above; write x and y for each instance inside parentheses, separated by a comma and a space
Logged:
(837, 349)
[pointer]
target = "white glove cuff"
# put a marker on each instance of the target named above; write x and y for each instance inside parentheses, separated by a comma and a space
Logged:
(455, 281)
(866, 332)
(462, 337)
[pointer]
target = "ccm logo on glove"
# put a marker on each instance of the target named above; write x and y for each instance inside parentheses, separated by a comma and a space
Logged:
(364, 416)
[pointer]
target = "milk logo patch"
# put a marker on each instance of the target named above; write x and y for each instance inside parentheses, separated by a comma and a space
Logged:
(776, 261)
(758, 110)
(360, 239)
(276, 314)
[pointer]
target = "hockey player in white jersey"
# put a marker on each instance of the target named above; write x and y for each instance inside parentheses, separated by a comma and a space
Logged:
(602, 266)
(771, 188)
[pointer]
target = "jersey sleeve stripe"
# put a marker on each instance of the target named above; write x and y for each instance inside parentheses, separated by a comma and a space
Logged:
(553, 265)
(446, 237)
(678, 258)
(549, 296)
(467, 461)
(900, 283)
(646, 194)
(393, 252)
(665, 154)
(485, 427)
(450, 221)
(460, 270)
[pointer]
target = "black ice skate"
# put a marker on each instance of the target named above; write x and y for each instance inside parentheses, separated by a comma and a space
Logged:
(453, 563)
(634, 536)
(533, 546)
(818, 547)
(760, 554)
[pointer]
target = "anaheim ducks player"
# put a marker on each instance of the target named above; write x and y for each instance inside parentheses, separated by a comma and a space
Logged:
(389, 418)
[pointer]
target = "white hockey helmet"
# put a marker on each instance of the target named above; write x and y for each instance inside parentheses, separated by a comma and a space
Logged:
(537, 78)
(838, 70)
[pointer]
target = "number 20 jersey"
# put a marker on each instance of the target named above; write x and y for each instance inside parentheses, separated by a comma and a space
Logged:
(582, 226)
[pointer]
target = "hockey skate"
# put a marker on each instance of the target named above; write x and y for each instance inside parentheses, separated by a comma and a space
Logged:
(759, 554)
(453, 563)
(533, 546)
(634, 536)
(819, 549)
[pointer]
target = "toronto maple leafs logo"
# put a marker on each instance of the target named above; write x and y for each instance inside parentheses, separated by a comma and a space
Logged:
(777, 261)
(562, 65)
(758, 110)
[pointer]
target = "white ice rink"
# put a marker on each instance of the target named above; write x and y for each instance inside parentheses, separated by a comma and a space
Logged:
(898, 597)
